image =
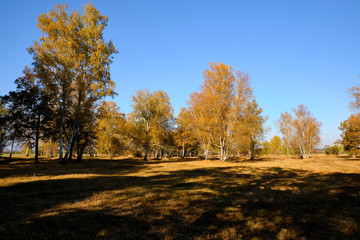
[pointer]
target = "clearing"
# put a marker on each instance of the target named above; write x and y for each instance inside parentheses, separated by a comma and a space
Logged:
(268, 198)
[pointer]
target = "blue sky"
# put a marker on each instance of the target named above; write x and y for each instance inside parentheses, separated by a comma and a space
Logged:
(296, 52)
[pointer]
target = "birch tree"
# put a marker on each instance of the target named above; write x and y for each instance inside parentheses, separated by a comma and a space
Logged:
(218, 110)
(301, 131)
(350, 136)
(110, 128)
(72, 60)
(152, 118)
(285, 125)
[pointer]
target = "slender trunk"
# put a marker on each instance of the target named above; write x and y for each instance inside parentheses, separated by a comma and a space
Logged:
(287, 152)
(147, 140)
(158, 154)
(146, 153)
(252, 151)
(206, 152)
(27, 150)
(44, 152)
(77, 151)
(12, 146)
(71, 152)
(70, 142)
(61, 160)
(80, 154)
(37, 141)
(37, 134)
(222, 150)
(183, 148)
(51, 150)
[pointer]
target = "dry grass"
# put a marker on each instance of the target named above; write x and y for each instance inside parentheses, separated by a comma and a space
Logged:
(269, 198)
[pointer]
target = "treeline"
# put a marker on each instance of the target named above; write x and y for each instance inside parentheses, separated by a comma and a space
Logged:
(58, 102)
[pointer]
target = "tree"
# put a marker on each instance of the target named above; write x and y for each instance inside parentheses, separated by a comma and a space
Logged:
(3, 127)
(301, 132)
(198, 116)
(72, 61)
(275, 145)
(334, 150)
(217, 108)
(285, 125)
(219, 112)
(265, 148)
(253, 127)
(307, 130)
(152, 119)
(351, 134)
(29, 112)
(110, 131)
(184, 136)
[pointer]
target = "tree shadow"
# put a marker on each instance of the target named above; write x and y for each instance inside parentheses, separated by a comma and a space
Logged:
(207, 203)
(26, 167)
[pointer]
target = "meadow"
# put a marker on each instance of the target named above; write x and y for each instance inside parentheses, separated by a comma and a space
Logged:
(126, 198)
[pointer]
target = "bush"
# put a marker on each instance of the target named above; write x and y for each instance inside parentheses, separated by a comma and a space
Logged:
(137, 153)
(334, 150)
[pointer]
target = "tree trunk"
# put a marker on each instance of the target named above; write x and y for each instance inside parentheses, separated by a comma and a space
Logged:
(222, 150)
(71, 141)
(287, 152)
(158, 153)
(71, 152)
(61, 160)
(12, 147)
(252, 151)
(146, 153)
(80, 152)
(27, 150)
(183, 148)
(37, 133)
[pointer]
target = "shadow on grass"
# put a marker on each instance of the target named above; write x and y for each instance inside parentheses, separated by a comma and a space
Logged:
(208, 203)
(26, 167)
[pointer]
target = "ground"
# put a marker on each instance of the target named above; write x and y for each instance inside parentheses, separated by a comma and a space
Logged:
(267, 198)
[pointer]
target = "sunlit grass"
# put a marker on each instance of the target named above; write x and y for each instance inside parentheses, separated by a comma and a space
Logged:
(270, 198)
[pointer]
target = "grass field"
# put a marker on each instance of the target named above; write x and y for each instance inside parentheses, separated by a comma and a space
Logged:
(268, 198)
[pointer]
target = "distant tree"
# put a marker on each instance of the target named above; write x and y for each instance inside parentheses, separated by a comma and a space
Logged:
(198, 116)
(3, 126)
(307, 131)
(285, 125)
(334, 150)
(72, 62)
(265, 148)
(184, 133)
(351, 134)
(300, 133)
(152, 119)
(223, 103)
(276, 145)
(28, 111)
(253, 127)
(110, 131)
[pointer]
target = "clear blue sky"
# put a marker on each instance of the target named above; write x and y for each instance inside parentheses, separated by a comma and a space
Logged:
(296, 52)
